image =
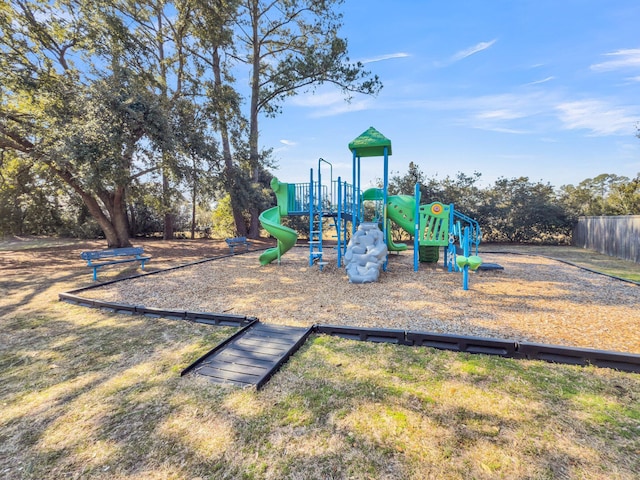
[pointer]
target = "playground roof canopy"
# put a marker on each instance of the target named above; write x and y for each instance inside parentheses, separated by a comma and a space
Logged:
(371, 143)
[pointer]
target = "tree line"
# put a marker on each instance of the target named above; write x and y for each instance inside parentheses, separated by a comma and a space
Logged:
(119, 115)
(514, 210)
(521, 210)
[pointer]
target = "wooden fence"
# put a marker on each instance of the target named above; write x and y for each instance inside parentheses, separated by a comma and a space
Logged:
(614, 236)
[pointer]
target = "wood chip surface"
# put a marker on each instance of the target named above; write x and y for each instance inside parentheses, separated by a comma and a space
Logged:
(533, 299)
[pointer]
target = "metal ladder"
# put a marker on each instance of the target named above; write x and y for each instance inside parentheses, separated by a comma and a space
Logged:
(316, 216)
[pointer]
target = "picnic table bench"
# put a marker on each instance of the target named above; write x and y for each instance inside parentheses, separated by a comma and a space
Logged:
(237, 241)
(114, 256)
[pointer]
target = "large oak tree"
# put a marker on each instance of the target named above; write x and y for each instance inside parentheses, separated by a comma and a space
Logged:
(68, 102)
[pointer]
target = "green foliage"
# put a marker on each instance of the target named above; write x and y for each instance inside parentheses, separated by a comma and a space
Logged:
(88, 95)
(223, 225)
(32, 203)
(291, 46)
(301, 225)
(605, 194)
(405, 184)
(589, 196)
(517, 210)
(624, 198)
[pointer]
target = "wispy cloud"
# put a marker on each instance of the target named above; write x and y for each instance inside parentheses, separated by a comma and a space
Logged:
(288, 143)
(538, 82)
(497, 120)
(517, 113)
(490, 128)
(538, 111)
(388, 56)
(600, 117)
(332, 102)
(345, 107)
(318, 99)
(626, 58)
(467, 52)
(504, 114)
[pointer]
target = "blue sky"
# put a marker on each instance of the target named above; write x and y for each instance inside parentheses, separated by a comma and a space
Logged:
(547, 89)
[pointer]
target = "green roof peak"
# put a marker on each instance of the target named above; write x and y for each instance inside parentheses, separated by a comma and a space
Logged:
(370, 143)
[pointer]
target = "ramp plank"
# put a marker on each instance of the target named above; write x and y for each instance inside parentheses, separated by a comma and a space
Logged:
(253, 356)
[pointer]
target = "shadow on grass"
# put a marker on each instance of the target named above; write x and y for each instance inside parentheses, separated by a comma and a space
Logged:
(89, 394)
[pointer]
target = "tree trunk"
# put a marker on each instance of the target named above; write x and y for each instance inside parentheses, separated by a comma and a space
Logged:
(236, 201)
(254, 226)
(238, 217)
(166, 205)
(115, 228)
(168, 231)
(254, 154)
(133, 223)
(112, 229)
(119, 217)
(194, 192)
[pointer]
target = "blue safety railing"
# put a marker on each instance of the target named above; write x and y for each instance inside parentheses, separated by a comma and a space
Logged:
(299, 195)
(460, 220)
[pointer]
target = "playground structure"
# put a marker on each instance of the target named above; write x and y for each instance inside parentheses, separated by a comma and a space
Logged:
(432, 225)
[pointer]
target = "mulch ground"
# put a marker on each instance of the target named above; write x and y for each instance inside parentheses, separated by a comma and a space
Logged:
(534, 299)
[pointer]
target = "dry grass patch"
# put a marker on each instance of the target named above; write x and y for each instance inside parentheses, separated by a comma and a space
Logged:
(89, 394)
(440, 415)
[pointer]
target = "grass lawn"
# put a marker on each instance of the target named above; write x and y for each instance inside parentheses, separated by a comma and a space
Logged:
(578, 256)
(90, 394)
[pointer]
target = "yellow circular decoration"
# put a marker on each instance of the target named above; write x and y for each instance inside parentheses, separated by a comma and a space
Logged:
(436, 208)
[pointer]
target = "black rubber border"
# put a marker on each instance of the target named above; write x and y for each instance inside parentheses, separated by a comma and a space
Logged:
(626, 362)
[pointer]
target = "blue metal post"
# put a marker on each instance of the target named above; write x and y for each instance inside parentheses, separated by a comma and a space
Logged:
(465, 270)
(311, 219)
(416, 230)
(330, 189)
(319, 209)
(319, 195)
(357, 193)
(385, 197)
(450, 248)
(353, 195)
(339, 223)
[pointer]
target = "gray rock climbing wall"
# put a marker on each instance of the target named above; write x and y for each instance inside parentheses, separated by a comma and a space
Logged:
(366, 253)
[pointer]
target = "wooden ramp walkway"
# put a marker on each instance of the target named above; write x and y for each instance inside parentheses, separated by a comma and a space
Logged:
(251, 356)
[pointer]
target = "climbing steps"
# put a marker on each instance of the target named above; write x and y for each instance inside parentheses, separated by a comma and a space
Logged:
(251, 356)
(315, 238)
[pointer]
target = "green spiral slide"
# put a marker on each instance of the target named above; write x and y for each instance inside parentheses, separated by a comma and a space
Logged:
(270, 220)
